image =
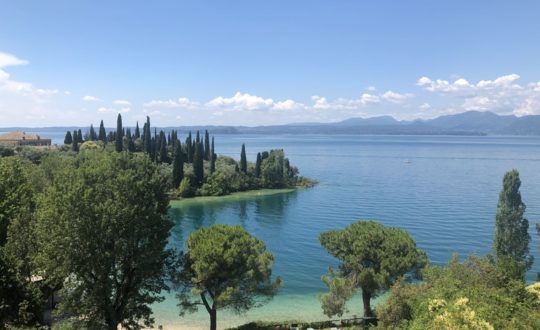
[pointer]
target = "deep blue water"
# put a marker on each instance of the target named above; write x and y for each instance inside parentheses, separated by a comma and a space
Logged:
(443, 190)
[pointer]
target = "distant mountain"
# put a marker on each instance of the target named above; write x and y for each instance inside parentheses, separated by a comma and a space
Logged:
(466, 123)
(486, 122)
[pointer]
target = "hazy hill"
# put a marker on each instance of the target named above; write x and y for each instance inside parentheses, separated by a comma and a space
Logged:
(466, 123)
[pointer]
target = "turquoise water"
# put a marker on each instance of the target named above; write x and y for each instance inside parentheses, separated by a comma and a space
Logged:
(443, 190)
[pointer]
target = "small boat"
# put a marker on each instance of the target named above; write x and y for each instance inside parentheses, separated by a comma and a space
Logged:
(407, 161)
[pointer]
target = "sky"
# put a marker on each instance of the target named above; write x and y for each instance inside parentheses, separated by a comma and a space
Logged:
(250, 62)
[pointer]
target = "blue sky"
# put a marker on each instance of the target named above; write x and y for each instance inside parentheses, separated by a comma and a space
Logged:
(264, 62)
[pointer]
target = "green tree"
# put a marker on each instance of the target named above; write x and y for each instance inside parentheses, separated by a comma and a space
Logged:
(102, 133)
(178, 166)
(137, 131)
(511, 242)
(272, 169)
(212, 158)
(68, 139)
(119, 145)
(243, 160)
(258, 165)
(189, 148)
(75, 144)
(92, 133)
(207, 152)
(225, 267)
(163, 155)
(102, 231)
(372, 257)
(198, 164)
(20, 299)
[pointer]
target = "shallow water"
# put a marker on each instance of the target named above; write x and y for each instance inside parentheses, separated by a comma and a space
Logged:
(443, 190)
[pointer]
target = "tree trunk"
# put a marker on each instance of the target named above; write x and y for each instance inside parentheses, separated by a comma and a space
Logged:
(366, 299)
(213, 319)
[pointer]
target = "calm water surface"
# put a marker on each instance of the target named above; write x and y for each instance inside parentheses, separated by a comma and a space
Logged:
(443, 190)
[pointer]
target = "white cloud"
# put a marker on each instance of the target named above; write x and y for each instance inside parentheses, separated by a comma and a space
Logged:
(114, 110)
(241, 101)
(122, 102)
(10, 60)
(182, 102)
(425, 106)
(501, 95)
(90, 98)
(395, 97)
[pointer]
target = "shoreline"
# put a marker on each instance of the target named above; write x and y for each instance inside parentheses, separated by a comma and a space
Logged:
(233, 196)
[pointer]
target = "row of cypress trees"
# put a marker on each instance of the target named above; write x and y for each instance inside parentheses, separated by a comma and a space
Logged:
(160, 147)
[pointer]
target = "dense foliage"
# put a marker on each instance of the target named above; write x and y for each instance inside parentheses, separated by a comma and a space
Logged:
(474, 294)
(372, 257)
(224, 267)
(194, 159)
(511, 242)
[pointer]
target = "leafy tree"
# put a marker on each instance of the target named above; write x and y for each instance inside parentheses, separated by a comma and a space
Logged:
(372, 257)
(461, 295)
(225, 267)
(68, 139)
(102, 231)
(243, 160)
(102, 133)
(119, 134)
(178, 167)
(20, 299)
(258, 165)
(511, 242)
(272, 169)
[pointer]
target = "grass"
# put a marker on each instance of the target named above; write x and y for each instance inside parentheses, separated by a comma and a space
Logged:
(231, 197)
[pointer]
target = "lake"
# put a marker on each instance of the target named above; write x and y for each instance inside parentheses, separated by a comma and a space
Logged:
(442, 189)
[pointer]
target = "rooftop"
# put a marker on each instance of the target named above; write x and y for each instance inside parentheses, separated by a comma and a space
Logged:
(18, 136)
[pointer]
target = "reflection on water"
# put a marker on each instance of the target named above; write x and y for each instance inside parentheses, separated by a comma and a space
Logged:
(267, 212)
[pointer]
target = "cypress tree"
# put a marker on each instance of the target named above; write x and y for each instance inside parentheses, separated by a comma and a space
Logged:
(178, 166)
(111, 136)
(80, 137)
(147, 136)
(68, 139)
(207, 153)
(153, 151)
(75, 145)
(511, 242)
(137, 131)
(102, 134)
(258, 165)
(198, 164)
(213, 158)
(92, 133)
(189, 148)
(243, 160)
(163, 157)
(119, 134)
(198, 139)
